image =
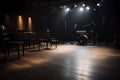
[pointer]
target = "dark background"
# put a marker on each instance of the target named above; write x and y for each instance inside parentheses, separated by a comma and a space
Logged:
(47, 14)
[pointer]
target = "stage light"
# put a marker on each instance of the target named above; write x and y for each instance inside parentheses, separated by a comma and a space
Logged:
(20, 23)
(64, 6)
(88, 8)
(67, 9)
(83, 5)
(98, 4)
(81, 9)
(29, 24)
(75, 5)
(94, 9)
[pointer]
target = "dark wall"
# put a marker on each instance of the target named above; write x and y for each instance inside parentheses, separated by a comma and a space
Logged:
(107, 14)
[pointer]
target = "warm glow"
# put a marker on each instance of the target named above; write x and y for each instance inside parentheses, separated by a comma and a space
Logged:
(29, 24)
(28, 63)
(7, 20)
(20, 23)
(64, 49)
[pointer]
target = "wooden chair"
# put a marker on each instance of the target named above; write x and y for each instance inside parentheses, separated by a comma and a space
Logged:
(7, 44)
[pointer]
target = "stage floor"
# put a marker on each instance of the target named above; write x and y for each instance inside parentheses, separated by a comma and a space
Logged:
(67, 62)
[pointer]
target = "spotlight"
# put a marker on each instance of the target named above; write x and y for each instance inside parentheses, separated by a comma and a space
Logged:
(64, 6)
(67, 9)
(81, 9)
(83, 5)
(94, 9)
(75, 5)
(88, 8)
(98, 4)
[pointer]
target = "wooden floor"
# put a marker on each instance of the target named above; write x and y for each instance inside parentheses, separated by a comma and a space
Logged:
(67, 62)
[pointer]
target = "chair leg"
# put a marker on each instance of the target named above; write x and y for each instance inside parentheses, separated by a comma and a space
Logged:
(5, 56)
(51, 44)
(33, 46)
(29, 46)
(39, 45)
(18, 52)
(56, 45)
(8, 51)
(23, 49)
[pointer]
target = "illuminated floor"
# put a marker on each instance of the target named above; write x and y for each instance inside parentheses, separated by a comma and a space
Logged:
(67, 62)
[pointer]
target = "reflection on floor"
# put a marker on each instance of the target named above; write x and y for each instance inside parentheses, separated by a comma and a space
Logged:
(67, 62)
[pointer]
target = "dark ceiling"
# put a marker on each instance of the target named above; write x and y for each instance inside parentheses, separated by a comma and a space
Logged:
(26, 5)
(16, 4)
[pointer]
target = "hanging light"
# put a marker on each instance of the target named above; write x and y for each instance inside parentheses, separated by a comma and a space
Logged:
(83, 5)
(81, 9)
(88, 8)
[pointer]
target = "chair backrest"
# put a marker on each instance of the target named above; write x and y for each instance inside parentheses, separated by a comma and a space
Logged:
(4, 38)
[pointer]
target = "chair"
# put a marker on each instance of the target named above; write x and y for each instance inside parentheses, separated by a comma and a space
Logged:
(7, 44)
(48, 39)
(30, 39)
(54, 41)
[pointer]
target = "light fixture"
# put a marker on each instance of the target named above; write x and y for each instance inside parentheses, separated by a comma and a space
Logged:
(64, 6)
(98, 4)
(94, 9)
(75, 5)
(81, 9)
(88, 8)
(67, 9)
(83, 5)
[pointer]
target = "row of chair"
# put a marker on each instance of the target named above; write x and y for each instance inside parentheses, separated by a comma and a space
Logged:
(23, 40)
